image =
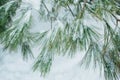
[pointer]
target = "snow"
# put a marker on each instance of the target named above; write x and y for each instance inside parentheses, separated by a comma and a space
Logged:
(63, 68)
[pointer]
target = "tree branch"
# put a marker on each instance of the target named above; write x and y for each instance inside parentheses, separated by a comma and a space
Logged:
(84, 5)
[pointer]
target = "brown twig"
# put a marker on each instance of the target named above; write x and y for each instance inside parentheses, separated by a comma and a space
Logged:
(84, 5)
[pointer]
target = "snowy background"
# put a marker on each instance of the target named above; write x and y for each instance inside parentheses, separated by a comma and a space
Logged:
(12, 66)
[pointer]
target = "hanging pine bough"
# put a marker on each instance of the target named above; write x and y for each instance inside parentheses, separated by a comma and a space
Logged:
(18, 34)
(7, 10)
(75, 34)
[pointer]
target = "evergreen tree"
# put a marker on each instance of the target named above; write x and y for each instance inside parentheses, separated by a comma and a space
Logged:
(74, 35)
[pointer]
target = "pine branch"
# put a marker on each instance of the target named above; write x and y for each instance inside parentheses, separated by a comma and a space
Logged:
(18, 35)
(73, 36)
(7, 9)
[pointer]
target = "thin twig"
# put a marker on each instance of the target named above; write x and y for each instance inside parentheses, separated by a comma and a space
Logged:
(84, 5)
(83, 9)
(45, 7)
(48, 12)
(51, 22)
(70, 10)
